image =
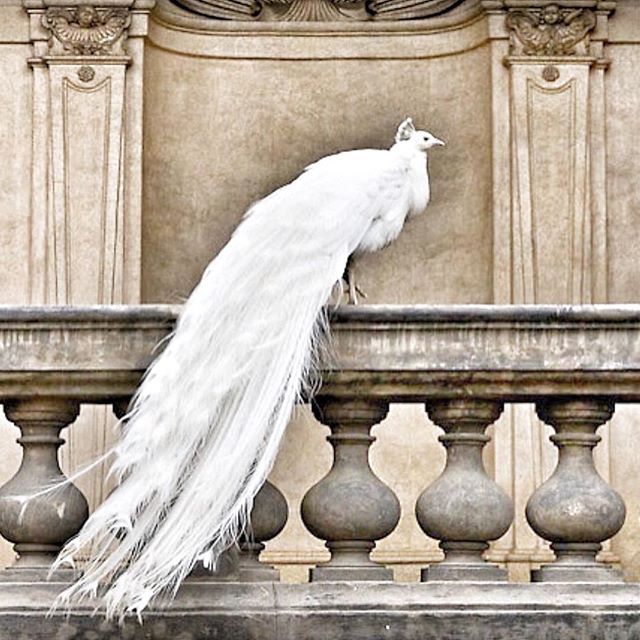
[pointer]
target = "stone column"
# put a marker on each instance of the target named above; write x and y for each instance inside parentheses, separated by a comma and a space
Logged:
(268, 518)
(464, 508)
(350, 507)
(575, 508)
(40, 525)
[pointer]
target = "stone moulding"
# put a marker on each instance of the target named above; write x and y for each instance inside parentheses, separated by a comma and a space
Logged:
(173, 30)
(408, 354)
(86, 30)
(319, 611)
(318, 10)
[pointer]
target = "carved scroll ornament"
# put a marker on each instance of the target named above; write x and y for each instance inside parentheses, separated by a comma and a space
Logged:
(86, 30)
(318, 10)
(550, 31)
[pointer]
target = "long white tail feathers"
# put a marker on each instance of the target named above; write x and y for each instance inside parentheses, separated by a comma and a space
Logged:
(208, 418)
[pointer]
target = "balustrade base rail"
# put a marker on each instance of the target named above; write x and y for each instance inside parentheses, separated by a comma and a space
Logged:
(353, 611)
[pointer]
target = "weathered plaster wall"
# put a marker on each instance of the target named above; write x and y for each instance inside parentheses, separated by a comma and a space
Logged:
(237, 129)
(15, 150)
(623, 159)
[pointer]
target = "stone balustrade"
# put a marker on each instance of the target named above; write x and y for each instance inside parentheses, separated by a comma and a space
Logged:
(464, 363)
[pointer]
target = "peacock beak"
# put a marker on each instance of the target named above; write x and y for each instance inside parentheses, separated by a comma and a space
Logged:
(436, 141)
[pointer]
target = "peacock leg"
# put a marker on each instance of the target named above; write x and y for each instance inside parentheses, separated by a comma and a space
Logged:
(353, 290)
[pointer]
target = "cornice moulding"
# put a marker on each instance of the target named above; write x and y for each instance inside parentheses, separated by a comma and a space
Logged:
(81, 59)
(574, 60)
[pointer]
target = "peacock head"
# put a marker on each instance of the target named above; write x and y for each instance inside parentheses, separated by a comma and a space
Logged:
(422, 140)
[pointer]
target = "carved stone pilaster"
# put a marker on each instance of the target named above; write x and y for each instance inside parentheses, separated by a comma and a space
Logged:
(556, 63)
(550, 225)
(87, 149)
(350, 507)
(39, 525)
(86, 173)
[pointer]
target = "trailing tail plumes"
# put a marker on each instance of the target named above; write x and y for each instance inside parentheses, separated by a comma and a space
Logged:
(207, 420)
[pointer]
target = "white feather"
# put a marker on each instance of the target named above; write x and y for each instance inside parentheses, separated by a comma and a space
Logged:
(208, 418)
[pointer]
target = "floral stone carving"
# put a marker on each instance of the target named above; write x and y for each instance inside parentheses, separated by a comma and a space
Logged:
(318, 10)
(550, 31)
(86, 30)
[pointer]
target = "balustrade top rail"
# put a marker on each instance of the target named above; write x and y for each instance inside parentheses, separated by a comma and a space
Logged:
(402, 353)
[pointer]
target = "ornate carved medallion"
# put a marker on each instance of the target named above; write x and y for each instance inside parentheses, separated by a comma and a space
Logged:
(550, 31)
(318, 10)
(86, 73)
(87, 31)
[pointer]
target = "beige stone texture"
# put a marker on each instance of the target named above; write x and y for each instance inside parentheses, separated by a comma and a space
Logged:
(15, 143)
(233, 111)
(623, 276)
(15, 177)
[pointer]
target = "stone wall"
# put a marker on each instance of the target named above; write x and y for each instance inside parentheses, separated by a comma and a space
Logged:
(15, 189)
(533, 199)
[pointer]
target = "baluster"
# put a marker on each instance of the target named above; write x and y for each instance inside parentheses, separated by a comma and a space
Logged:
(575, 509)
(121, 407)
(464, 508)
(39, 526)
(268, 518)
(350, 508)
(241, 562)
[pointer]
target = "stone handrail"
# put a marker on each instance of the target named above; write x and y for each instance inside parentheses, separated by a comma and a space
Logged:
(463, 362)
(517, 353)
